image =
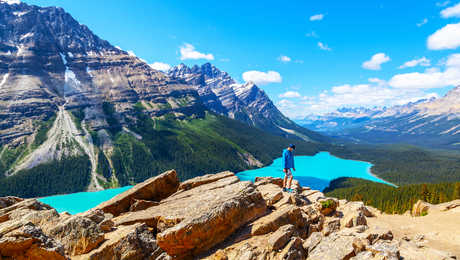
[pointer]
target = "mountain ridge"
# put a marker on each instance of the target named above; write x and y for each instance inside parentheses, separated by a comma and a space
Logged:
(244, 102)
(433, 123)
(71, 101)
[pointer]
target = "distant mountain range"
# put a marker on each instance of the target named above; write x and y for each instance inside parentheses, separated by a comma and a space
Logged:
(431, 123)
(78, 113)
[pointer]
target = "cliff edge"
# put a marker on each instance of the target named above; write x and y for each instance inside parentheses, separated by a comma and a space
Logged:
(215, 216)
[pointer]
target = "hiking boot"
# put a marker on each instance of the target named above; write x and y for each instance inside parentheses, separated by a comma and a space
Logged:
(284, 189)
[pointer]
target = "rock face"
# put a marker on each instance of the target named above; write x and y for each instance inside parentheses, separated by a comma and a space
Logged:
(209, 217)
(48, 59)
(244, 102)
(155, 188)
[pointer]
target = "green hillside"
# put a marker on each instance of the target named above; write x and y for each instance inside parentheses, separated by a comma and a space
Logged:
(403, 164)
(193, 146)
(390, 199)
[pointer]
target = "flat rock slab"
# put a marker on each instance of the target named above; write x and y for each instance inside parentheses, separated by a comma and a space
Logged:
(218, 213)
(192, 221)
(334, 247)
(179, 206)
(205, 179)
(127, 242)
(155, 189)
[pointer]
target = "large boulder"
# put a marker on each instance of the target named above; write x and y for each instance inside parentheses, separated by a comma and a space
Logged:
(127, 242)
(288, 214)
(335, 247)
(280, 237)
(29, 242)
(193, 220)
(209, 217)
(154, 189)
(271, 193)
(78, 234)
(420, 208)
(183, 204)
(293, 250)
(8, 201)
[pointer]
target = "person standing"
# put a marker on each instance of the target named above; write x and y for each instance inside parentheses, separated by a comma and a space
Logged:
(288, 164)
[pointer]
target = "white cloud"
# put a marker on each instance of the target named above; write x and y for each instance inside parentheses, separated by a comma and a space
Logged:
(361, 95)
(453, 11)
(377, 81)
(262, 78)
(225, 59)
(324, 47)
(312, 34)
(423, 22)
(131, 53)
(290, 94)
(447, 37)
(432, 77)
(188, 52)
(376, 61)
(284, 58)
(160, 66)
(399, 90)
(417, 62)
(317, 17)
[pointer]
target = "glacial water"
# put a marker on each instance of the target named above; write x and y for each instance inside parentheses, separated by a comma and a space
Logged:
(81, 201)
(315, 171)
(312, 171)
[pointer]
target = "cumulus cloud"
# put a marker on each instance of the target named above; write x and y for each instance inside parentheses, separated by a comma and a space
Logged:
(317, 17)
(290, 94)
(188, 52)
(447, 37)
(453, 11)
(398, 90)
(416, 62)
(376, 61)
(160, 66)
(262, 78)
(324, 47)
(347, 95)
(423, 22)
(431, 78)
(284, 58)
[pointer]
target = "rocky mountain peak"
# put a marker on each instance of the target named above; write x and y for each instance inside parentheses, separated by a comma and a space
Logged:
(245, 102)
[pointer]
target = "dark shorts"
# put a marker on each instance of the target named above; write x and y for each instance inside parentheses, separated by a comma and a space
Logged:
(288, 173)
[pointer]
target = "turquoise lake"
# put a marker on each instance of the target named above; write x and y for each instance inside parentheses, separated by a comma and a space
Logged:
(313, 171)
(81, 201)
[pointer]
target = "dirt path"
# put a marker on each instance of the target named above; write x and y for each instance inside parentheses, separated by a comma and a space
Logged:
(440, 229)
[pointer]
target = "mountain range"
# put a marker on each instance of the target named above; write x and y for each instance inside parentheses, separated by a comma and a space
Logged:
(433, 123)
(79, 113)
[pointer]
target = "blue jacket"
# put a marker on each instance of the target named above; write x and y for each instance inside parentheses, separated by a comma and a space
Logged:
(288, 159)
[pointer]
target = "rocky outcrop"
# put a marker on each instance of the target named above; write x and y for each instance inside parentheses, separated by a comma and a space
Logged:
(153, 189)
(420, 208)
(209, 217)
(49, 61)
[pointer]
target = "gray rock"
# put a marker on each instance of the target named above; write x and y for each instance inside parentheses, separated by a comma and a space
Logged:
(280, 237)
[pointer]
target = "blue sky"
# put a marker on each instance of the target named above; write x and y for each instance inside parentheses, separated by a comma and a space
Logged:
(252, 36)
